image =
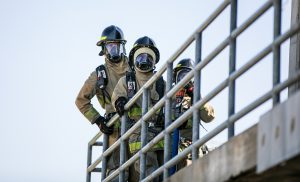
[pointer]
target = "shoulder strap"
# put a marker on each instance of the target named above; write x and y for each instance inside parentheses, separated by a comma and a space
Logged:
(160, 87)
(131, 84)
(102, 79)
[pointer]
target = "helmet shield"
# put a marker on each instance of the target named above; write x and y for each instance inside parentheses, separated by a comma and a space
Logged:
(144, 62)
(114, 51)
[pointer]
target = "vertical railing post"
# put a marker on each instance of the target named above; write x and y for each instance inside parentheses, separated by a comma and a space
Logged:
(123, 147)
(294, 58)
(276, 49)
(144, 131)
(104, 159)
(89, 161)
(168, 118)
(196, 97)
(232, 62)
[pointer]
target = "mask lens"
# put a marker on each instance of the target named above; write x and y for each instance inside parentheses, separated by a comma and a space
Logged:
(114, 50)
(181, 74)
(144, 62)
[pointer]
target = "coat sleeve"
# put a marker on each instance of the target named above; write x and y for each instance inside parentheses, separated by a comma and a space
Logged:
(119, 91)
(207, 113)
(83, 100)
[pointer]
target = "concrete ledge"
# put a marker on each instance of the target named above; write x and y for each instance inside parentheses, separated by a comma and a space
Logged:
(236, 156)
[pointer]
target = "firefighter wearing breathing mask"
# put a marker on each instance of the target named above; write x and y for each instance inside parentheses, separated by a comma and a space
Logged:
(101, 84)
(182, 102)
(143, 57)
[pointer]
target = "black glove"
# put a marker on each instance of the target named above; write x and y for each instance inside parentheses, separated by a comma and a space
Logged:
(101, 122)
(119, 105)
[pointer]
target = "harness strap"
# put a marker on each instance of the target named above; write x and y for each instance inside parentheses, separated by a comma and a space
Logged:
(131, 84)
(102, 81)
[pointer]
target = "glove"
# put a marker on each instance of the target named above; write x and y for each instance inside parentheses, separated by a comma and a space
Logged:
(101, 123)
(120, 104)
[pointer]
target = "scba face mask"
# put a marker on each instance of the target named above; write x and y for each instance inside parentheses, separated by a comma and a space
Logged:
(114, 51)
(181, 74)
(144, 62)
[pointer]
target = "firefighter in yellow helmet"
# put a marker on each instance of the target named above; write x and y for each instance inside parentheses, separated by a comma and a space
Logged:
(143, 57)
(182, 102)
(101, 84)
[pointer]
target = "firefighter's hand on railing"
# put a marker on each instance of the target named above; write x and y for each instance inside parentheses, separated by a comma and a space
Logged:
(120, 105)
(101, 123)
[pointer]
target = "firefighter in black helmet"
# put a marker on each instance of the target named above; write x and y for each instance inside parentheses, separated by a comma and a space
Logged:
(101, 84)
(182, 102)
(112, 43)
(183, 67)
(143, 57)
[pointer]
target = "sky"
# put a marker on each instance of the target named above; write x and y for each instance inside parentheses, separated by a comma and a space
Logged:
(48, 49)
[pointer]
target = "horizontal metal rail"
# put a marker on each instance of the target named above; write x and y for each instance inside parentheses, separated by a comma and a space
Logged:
(98, 144)
(204, 100)
(98, 170)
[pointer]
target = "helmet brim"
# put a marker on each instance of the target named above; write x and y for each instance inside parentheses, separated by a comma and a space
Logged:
(101, 42)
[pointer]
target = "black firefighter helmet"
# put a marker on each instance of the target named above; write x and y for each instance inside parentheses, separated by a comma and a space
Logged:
(112, 43)
(111, 34)
(139, 57)
(182, 68)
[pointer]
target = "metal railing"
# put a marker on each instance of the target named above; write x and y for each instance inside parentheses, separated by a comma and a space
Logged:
(89, 159)
(194, 110)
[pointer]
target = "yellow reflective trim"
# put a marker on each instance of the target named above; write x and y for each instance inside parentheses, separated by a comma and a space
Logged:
(91, 114)
(103, 38)
(135, 112)
(133, 147)
(180, 149)
(101, 101)
(178, 65)
(117, 124)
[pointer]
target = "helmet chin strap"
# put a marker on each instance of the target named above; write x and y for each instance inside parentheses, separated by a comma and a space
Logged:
(102, 52)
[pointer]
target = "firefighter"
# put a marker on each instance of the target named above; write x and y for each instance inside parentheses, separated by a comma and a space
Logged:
(142, 58)
(101, 84)
(183, 102)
